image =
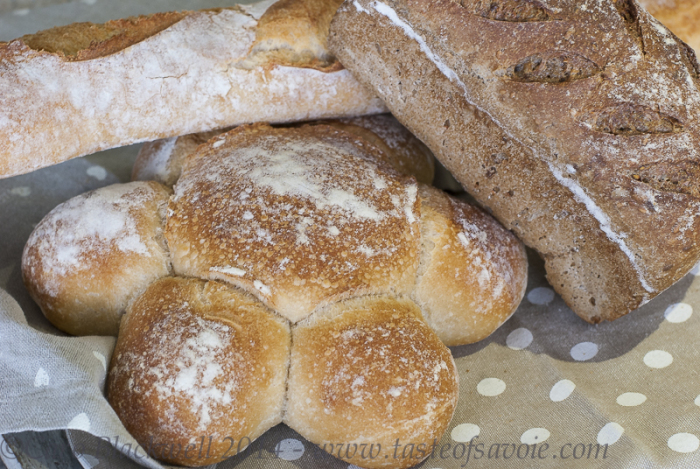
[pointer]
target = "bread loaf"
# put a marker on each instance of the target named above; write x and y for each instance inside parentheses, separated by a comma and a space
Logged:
(575, 123)
(308, 229)
(680, 16)
(162, 160)
(78, 89)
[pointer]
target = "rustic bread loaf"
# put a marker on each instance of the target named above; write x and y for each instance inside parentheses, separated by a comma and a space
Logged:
(575, 123)
(77, 89)
(680, 16)
(309, 229)
(162, 160)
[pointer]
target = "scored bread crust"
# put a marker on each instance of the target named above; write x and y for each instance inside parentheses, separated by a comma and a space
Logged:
(584, 144)
(168, 74)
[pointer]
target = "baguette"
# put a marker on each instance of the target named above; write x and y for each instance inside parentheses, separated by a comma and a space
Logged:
(576, 125)
(78, 89)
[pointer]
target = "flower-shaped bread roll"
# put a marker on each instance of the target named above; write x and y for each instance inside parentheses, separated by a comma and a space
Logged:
(299, 275)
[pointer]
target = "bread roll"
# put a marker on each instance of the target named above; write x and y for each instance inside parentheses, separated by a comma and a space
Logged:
(366, 373)
(680, 16)
(93, 254)
(162, 160)
(576, 125)
(168, 74)
(471, 271)
(302, 217)
(199, 371)
(307, 229)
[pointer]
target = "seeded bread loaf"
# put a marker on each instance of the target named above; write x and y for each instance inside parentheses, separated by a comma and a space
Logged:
(78, 89)
(575, 122)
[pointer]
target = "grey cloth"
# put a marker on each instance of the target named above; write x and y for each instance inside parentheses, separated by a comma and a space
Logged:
(544, 380)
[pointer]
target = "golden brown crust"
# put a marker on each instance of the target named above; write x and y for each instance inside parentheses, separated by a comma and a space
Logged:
(366, 372)
(86, 41)
(294, 33)
(162, 160)
(301, 217)
(404, 151)
(680, 16)
(88, 258)
(196, 360)
(473, 272)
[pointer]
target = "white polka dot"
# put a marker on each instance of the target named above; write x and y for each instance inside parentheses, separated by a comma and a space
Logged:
(80, 422)
(21, 11)
(584, 351)
(101, 359)
(491, 387)
(22, 191)
(679, 312)
(697, 401)
(41, 378)
(540, 296)
(534, 436)
(610, 433)
(658, 359)
(631, 399)
(289, 449)
(561, 390)
(683, 442)
(98, 172)
(519, 339)
(464, 432)
(696, 270)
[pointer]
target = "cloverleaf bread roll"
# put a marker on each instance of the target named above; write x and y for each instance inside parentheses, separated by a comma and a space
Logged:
(77, 89)
(304, 249)
(576, 123)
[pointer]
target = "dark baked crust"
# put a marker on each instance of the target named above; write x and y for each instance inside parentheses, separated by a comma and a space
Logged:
(547, 123)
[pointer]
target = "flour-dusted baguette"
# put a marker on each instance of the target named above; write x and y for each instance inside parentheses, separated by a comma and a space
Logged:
(77, 89)
(575, 122)
(680, 16)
